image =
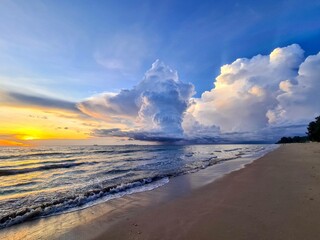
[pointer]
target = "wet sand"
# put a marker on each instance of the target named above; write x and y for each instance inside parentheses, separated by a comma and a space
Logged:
(275, 197)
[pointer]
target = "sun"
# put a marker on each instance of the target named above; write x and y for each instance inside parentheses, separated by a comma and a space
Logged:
(28, 134)
(27, 138)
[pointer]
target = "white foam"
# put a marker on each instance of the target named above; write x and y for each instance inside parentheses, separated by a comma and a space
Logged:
(120, 193)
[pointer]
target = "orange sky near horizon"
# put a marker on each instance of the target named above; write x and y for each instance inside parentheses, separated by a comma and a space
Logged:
(21, 126)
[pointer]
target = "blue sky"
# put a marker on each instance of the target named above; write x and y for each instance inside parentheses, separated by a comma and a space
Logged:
(78, 48)
(89, 70)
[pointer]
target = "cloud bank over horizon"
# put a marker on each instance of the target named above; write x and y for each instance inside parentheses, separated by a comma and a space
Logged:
(256, 99)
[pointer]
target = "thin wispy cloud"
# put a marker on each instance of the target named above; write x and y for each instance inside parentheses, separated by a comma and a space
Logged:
(21, 99)
(123, 53)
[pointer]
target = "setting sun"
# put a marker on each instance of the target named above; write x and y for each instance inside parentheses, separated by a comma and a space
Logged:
(28, 134)
(28, 138)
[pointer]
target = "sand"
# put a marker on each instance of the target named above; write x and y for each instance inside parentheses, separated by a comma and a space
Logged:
(275, 197)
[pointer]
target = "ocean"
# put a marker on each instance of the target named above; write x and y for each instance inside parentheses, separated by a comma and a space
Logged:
(43, 181)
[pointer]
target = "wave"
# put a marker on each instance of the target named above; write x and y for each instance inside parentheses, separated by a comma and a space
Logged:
(30, 155)
(12, 171)
(64, 153)
(57, 206)
(136, 172)
(79, 151)
(232, 150)
(23, 164)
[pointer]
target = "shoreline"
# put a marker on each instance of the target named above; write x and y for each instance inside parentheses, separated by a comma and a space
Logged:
(275, 197)
(98, 179)
(79, 220)
(131, 217)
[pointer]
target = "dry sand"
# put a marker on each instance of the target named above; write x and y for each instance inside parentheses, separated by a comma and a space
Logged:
(275, 197)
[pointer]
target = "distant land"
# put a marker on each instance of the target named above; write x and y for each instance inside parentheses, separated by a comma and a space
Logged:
(313, 134)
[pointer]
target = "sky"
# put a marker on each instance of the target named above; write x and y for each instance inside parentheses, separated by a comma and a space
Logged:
(127, 72)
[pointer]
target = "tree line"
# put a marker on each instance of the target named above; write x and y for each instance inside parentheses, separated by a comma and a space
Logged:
(313, 134)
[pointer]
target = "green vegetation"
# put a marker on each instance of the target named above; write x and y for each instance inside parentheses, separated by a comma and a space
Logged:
(313, 134)
(295, 139)
(314, 130)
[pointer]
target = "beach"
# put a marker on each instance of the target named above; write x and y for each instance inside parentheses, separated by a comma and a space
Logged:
(274, 197)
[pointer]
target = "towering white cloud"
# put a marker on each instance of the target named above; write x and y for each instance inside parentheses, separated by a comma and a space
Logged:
(154, 107)
(264, 95)
(261, 98)
(300, 99)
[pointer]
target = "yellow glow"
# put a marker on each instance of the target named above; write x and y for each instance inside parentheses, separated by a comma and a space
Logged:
(28, 134)
(31, 124)
(276, 54)
(28, 138)
(26, 126)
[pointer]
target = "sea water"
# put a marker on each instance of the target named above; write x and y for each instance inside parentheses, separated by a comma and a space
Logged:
(43, 181)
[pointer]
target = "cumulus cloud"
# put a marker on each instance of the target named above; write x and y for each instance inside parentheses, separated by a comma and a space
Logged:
(257, 99)
(263, 97)
(300, 99)
(153, 109)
